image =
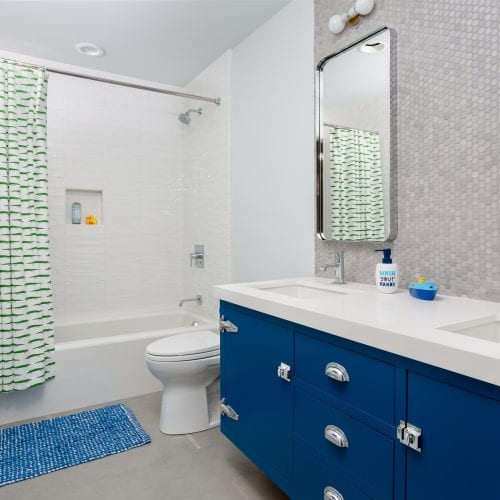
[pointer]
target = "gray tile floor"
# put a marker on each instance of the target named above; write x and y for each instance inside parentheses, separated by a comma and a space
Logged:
(203, 466)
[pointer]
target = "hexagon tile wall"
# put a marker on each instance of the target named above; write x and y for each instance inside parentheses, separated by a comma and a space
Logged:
(448, 147)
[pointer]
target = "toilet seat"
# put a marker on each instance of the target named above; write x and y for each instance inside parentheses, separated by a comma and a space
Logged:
(185, 347)
(187, 357)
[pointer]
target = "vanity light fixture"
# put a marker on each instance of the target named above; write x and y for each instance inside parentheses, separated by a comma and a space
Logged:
(352, 16)
(89, 49)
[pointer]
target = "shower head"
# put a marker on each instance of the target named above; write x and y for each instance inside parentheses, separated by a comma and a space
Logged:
(185, 118)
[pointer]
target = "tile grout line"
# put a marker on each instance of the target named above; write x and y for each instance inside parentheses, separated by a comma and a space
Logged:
(193, 441)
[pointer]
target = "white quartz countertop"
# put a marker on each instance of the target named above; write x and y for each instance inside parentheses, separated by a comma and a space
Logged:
(397, 323)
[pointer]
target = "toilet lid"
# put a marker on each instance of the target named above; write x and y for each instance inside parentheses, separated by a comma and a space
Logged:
(185, 343)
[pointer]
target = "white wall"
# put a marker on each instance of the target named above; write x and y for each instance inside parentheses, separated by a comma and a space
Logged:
(127, 143)
(272, 148)
(206, 186)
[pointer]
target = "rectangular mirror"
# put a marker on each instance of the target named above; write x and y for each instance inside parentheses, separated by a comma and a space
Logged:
(354, 167)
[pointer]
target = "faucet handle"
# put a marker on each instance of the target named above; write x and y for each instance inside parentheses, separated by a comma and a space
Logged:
(197, 258)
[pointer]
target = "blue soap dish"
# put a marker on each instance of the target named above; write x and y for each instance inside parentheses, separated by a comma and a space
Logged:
(423, 290)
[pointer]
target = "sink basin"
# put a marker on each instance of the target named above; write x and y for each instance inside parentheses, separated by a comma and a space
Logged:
(300, 291)
(487, 328)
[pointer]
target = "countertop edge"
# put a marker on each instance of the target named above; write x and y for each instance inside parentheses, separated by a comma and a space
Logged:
(472, 364)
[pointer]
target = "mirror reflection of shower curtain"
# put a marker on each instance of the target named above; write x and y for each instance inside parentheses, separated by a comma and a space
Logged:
(356, 192)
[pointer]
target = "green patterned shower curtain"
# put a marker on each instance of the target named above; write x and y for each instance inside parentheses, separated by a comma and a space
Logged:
(26, 324)
(357, 204)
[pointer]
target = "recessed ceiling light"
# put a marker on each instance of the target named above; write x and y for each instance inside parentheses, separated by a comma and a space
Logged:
(371, 47)
(89, 49)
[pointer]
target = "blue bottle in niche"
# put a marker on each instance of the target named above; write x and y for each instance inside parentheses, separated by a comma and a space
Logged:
(76, 213)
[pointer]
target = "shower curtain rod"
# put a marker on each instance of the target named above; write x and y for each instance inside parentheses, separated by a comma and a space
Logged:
(215, 100)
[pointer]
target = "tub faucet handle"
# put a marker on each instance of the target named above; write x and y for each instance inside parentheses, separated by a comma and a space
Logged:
(198, 257)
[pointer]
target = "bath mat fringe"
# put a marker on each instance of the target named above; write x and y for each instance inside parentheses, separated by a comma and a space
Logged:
(37, 448)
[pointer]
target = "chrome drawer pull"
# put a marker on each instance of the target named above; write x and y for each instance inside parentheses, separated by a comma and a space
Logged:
(337, 372)
(330, 493)
(336, 436)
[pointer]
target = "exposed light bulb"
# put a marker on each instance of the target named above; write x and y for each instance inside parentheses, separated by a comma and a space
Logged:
(352, 16)
(364, 7)
(336, 24)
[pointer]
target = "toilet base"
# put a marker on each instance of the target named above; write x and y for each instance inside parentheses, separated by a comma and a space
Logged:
(188, 409)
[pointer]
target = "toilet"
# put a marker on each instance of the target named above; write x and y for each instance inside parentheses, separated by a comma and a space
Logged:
(187, 365)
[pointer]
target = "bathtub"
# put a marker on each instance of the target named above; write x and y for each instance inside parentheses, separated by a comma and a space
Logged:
(97, 362)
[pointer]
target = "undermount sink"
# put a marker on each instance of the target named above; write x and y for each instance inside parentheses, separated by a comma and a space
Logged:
(486, 328)
(300, 291)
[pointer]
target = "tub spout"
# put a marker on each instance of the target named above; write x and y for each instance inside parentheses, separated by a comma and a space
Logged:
(198, 299)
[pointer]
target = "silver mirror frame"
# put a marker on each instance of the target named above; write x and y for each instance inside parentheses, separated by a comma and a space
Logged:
(393, 227)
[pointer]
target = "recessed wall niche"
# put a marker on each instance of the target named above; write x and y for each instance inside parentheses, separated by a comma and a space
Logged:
(90, 201)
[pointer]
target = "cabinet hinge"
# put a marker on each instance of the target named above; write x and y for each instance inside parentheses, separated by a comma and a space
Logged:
(227, 411)
(226, 326)
(410, 435)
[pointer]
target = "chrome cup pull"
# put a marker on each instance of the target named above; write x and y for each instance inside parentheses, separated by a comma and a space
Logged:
(336, 372)
(336, 436)
(330, 493)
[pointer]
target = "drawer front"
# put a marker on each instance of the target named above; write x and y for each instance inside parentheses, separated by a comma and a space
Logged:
(363, 382)
(315, 481)
(362, 455)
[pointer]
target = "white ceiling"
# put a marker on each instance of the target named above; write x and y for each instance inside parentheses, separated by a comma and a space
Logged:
(162, 41)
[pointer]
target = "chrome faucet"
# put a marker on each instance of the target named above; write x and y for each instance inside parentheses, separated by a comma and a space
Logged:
(338, 265)
(198, 299)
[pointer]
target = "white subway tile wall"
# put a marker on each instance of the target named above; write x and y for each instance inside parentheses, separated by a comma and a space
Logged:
(206, 186)
(129, 144)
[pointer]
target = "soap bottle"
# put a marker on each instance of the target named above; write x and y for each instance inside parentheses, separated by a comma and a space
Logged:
(76, 213)
(386, 273)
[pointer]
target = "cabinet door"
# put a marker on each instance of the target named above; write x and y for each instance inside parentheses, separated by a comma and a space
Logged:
(460, 455)
(251, 386)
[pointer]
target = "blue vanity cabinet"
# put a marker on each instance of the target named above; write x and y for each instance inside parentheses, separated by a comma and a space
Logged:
(315, 479)
(350, 422)
(460, 455)
(365, 459)
(261, 425)
(371, 383)
(345, 409)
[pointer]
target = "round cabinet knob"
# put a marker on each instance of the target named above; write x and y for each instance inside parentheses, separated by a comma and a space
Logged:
(330, 493)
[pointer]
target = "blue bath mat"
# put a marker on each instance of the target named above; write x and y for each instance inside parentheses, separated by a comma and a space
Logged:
(36, 448)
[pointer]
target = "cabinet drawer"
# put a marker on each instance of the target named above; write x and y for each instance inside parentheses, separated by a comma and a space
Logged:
(369, 384)
(312, 477)
(362, 455)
